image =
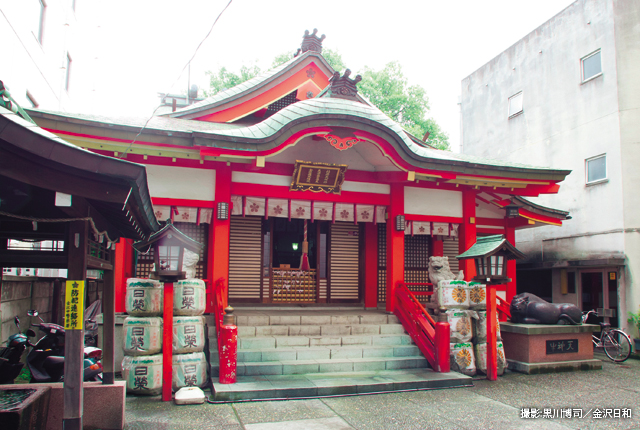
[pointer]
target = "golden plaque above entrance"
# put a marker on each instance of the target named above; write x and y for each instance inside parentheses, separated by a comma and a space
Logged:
(317, 177)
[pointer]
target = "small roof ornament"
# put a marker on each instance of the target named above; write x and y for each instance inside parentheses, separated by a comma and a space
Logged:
(311, 42)
(344, 87)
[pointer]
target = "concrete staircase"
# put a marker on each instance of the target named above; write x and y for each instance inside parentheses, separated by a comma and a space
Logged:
(299, 352)
(286, 342)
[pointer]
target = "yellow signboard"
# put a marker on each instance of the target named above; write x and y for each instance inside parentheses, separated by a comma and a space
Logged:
(74, 306)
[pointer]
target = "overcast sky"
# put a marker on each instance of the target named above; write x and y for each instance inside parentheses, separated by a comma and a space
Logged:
(141, 46)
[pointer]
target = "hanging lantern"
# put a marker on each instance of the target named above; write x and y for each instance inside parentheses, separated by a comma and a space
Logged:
(400, 223)
(491, 254)
(513, 211)
(168, 245)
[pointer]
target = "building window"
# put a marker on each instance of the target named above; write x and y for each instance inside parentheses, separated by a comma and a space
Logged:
(596, 169)
(68, 75)
(32, 100)
(591, 66)
(42, 6)
(515, 104)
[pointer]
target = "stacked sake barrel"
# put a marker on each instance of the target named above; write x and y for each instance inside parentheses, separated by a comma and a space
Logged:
(189, 334)
(465, 305)
(142, 363)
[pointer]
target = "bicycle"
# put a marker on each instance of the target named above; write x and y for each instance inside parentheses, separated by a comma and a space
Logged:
(615, 342)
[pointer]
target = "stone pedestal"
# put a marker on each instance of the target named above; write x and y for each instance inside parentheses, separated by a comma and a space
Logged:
(542, 348)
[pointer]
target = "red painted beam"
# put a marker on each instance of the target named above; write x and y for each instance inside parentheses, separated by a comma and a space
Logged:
(370, 265)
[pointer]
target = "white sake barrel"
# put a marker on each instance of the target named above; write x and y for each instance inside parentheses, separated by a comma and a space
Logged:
(143, 374)
(189, 370)
(190, 297)
(481, 328)
(188, 334)
(453, 294)
(462, 358)
(142, 336)
(481, 358)
(477, 295)
(461, 325)
(144, 297)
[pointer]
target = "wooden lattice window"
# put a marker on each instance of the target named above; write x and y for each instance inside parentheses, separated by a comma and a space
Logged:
(199, 233)
(382, 262)
(416, 262)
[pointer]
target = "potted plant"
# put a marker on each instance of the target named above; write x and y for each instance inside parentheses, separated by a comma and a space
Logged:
(634, 318)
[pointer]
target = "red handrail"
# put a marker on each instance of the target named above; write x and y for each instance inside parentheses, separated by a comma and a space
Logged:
(431, 338)
(504, 308)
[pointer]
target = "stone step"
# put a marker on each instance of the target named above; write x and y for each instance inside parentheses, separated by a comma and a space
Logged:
(273, 342)
(320, 330)
(324, 353)
(285, 318)
(297, 367)
(329, 384)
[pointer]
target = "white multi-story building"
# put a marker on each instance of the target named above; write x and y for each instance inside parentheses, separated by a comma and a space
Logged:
(567, 95)
(42, 44)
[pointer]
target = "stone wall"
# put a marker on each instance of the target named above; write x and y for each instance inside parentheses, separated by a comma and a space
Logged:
(19, 294)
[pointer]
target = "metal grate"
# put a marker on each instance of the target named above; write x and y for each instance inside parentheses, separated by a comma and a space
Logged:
(382, 262)
(283, 102)
(199, 233)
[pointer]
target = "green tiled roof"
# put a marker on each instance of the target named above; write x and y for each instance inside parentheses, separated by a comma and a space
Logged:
(488, 245)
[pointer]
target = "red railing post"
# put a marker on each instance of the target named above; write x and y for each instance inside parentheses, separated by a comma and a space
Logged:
(228, 348)
(492, 336)
(167, 343)
(443, 346)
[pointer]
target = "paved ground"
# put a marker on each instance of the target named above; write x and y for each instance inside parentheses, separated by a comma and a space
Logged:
(487, 405)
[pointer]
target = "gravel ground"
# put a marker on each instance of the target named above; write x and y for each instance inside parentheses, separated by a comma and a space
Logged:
(487, 405)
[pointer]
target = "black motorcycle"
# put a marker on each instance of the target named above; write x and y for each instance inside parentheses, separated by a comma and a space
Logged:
(46, 358)
(10, 364)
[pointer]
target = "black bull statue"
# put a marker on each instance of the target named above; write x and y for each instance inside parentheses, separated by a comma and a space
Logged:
(527, 308)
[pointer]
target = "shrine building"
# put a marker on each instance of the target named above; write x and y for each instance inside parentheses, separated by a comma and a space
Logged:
(294, 162)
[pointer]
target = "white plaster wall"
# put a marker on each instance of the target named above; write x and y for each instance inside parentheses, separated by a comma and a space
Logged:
(29, 66)
(563, 122)
(181, 182)
(426, 201)
(484, 210)
(282, 180)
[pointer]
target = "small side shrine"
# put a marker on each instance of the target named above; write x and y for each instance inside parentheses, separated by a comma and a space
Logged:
(81, 204)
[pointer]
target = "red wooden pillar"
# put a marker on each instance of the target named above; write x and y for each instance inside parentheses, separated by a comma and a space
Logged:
(167, 342)
(492, 346)
(467, 232)
(511, 264)
(370, 265)
(123, 269)
(395, 244)
(218, 258)
(437, 247)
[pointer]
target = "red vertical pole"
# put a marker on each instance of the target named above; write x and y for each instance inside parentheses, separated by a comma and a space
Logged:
(511, 265)
(123, 269)
(218, 259)
(370, 265)
(443, 346)
(395, 244)
(167, 342)
(492, 340)
(467, 232)
(228, 353)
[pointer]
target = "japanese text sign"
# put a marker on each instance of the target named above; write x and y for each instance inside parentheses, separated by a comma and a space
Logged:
(317, 177)
(74, 305)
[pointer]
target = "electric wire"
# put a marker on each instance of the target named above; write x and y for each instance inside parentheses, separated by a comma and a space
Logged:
(176, 81)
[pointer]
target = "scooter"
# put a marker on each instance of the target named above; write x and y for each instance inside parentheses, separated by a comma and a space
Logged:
(10, 364)
(46, 358)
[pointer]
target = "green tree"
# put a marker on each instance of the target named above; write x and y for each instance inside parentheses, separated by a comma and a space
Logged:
(387, 89)
(224, 79)
(408, 105)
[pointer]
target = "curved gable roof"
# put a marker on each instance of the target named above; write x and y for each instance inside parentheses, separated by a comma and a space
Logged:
(253, 87)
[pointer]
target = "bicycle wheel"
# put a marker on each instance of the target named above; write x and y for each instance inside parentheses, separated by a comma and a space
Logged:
(616, 345)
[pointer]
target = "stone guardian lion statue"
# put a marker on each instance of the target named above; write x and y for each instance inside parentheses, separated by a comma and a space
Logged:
(439, 271)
